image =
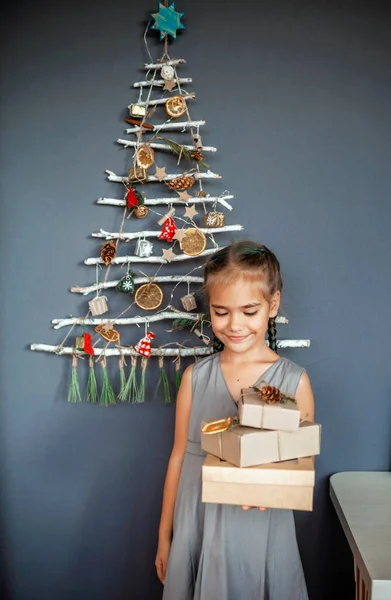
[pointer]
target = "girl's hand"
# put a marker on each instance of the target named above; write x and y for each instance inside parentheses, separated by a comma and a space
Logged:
(259, 507)
(162, 555)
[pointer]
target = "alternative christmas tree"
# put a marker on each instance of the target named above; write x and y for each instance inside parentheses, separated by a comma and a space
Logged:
(183, 220)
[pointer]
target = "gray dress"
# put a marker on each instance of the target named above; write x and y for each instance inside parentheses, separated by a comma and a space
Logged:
(221, 552)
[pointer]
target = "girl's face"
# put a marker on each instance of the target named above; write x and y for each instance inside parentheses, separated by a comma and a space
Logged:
(240, 314)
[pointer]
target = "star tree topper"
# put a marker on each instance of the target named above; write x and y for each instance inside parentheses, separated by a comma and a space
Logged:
(167, 20)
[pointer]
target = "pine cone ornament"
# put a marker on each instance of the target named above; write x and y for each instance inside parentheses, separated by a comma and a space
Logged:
(197, 155)
(270, 394)
(184, 182)
(108, 252)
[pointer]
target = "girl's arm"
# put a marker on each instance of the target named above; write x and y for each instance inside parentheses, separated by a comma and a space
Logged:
(305, 398)
(182, 417)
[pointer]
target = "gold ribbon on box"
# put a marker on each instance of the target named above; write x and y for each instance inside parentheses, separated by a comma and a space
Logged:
(219, 426)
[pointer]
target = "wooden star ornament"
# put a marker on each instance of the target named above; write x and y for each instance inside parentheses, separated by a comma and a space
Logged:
(167, 20)
(185, 196)
(160, 173)
(169, 84)
(168, 255)
(180, 234)
(191, 212)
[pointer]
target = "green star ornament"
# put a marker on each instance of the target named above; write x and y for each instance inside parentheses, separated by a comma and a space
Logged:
(167, 20)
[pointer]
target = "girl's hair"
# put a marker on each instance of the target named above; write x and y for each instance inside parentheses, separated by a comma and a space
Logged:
(253, 261)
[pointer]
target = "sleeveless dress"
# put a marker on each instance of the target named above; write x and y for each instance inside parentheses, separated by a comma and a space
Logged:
(222, 552)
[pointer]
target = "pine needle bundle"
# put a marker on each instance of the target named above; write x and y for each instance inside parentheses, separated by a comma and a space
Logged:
(74, 386)
(183, 152)
(178, 376)
(92, 395)
(107, 395)
(122, 378)
(141, 390)
(163, 382)
(129, 393)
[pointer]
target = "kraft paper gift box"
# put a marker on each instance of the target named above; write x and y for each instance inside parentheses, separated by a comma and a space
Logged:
(247, 447)
(255, 412)
(287, 485)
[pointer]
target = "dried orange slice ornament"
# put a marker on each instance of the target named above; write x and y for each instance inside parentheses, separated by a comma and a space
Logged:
(149, 296)
(145, 156)
(194, 242)
(220, 425)
(107, 332)
(176, 106)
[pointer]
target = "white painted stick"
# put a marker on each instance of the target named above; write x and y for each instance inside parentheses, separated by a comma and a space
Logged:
(156, 146)
(152, 178)
(159, 82)
(105, 285)
(164, 100)
(170, 63)
(122, 260)
(196, 351)
(58, 323)
(114, 235)
(155, 201)
(181, 125)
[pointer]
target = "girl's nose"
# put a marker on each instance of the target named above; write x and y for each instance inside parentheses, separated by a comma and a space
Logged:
(235, 323)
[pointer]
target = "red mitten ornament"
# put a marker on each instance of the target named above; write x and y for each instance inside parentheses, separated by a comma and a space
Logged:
(144, 346)
(87, 343)
(168, 230)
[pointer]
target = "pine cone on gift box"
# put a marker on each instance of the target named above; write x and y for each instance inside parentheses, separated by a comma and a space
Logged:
(270, 394)
(184, 182)
(108, 252)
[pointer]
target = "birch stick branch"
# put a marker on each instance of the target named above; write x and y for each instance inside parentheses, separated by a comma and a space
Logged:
(105, 285)
(208, 175)
(159, 82)
(122, 260)
(114, 235)
(155, 201)
(196, 351)
(190, 96)
(159, 65)
(181, 125)
(59, 323)
(157, 146)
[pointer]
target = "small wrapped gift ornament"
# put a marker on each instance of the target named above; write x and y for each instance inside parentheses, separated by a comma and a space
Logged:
(248, 447)
(189, 302)
(268, 408)
(79, 342)
(138, 174)
(286, 485)
(137, 110)
(214, 219)
(98, 305)
(126, 283)
(144, 248)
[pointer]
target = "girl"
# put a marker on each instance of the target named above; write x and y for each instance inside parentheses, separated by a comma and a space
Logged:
(214, 551)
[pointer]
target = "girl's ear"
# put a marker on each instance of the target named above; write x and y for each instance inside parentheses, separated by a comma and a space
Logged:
(275, 304)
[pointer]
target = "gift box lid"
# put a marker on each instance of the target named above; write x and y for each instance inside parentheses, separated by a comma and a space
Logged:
(300, 471)
(250, 396)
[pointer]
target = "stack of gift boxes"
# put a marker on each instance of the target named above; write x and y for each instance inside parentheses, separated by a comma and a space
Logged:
(265, 459)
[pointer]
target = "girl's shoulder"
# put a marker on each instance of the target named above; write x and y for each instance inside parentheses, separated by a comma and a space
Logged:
(287, 374)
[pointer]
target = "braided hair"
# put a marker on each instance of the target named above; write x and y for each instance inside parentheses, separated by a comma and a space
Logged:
(256, 262)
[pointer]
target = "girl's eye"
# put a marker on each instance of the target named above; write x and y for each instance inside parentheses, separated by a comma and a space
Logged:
(250, 314)
(220, 314)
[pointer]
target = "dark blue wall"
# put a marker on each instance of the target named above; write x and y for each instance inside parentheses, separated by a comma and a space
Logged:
(297, 98)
